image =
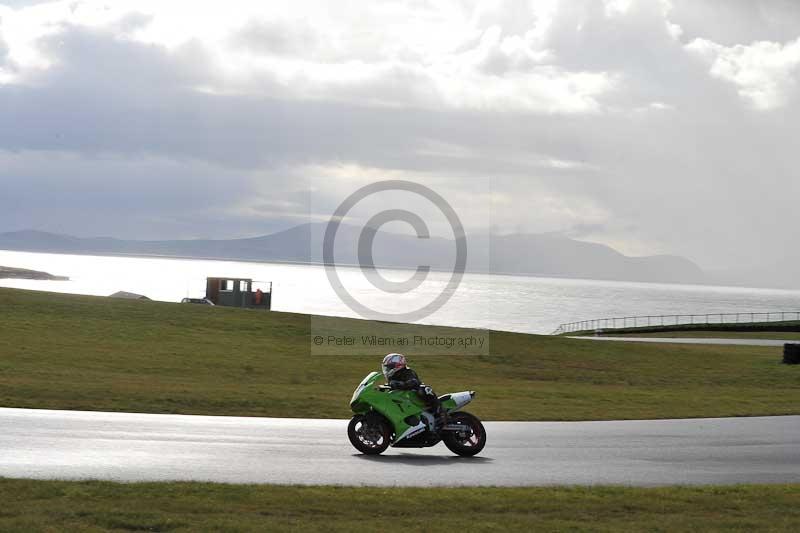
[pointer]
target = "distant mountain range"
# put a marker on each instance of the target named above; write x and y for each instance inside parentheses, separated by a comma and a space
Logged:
(522, 254)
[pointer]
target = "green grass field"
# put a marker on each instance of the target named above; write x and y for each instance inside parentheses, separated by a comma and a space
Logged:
(77, 352)
(33, 506)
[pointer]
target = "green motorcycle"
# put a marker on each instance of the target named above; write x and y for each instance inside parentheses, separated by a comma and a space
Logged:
(399, 418)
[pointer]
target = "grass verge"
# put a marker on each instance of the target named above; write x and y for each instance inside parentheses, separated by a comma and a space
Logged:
(88, 506)
(88, 353)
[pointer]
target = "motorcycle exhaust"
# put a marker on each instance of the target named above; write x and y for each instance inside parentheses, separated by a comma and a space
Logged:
(455, 427)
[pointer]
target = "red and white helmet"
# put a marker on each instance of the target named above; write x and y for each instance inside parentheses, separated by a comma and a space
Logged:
(392, 363)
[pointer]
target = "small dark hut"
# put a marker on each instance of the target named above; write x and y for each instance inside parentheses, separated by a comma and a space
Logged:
(239, 292)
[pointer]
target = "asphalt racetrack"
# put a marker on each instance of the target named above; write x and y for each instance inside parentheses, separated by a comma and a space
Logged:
(145, 447)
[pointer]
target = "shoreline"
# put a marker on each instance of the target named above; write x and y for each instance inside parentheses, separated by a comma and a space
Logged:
(548, 276)
(24, 273)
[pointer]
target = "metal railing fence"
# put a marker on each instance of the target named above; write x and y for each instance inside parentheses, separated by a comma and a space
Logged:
(675, 320)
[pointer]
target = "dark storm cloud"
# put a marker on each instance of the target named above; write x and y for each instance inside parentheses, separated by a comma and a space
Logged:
(120, 196)
(121, 97)
(114, 96)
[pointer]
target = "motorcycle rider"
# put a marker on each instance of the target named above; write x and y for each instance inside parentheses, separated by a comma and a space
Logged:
(401, 377)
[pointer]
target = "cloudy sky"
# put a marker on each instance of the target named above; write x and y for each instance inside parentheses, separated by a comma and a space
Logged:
(652, 126)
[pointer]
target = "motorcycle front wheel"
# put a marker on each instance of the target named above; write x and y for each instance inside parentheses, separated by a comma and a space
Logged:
(370, 435)
(470, 440)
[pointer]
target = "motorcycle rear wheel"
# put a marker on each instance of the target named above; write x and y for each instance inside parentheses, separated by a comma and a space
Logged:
(370, 435)
(468, 442)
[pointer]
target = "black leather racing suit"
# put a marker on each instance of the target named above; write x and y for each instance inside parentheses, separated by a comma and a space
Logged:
(407, 379)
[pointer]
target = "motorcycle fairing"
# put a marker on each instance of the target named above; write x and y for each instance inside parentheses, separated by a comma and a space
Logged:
(405, 410)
